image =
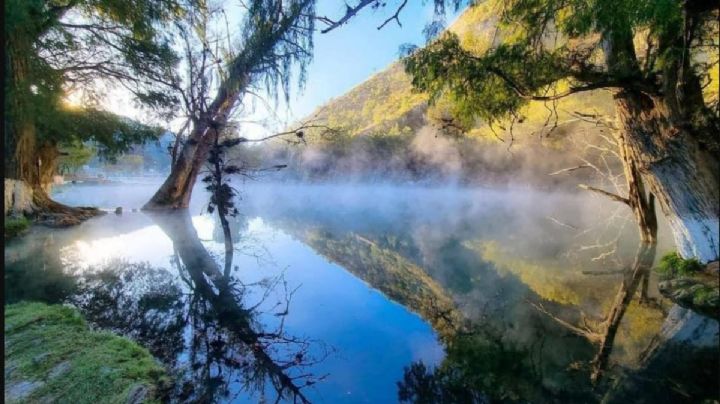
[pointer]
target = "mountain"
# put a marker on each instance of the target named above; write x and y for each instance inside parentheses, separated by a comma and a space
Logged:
(386, 103)
(389, 132)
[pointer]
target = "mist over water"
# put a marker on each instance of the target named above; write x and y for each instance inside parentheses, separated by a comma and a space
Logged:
(369, 283)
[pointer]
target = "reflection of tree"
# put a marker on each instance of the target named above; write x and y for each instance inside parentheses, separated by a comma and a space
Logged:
(227, 340)
(138, 301)
(603, 333)
(479, 368)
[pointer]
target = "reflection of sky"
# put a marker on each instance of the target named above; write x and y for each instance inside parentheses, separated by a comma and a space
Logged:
(373, 338)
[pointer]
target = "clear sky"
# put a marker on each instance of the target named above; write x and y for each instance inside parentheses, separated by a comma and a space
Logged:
(343, 58)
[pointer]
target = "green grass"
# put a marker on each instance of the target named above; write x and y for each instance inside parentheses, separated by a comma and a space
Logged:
(15, 226)
(101, 367)
(673, 265)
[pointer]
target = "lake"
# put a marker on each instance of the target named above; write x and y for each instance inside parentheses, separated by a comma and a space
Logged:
(377, 293)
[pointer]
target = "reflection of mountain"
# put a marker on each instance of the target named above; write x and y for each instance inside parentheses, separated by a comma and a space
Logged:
(452, 279)
(494, 293)
(391, 273)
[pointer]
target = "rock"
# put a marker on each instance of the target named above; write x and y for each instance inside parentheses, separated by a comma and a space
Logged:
(59, 370)
(713, 268)
(118, 210)
(19, 391)
(698, 293)
(137, 394)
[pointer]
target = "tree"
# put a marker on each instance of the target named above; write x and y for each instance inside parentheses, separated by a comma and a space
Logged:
(52, 46)
(667, 130)
(549, 49)
(276, 38)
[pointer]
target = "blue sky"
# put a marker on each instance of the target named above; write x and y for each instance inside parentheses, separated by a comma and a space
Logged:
(348, 55)
(343, 58)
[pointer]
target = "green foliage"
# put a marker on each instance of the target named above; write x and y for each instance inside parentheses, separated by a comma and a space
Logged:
(74, 155)
(15, 226)
(672, 265)
(275, 45)
(110, 134)
(540, 46)
(100, 367)
(54, 46)
(478, 367)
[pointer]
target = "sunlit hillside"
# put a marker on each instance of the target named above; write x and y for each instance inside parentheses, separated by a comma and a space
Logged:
(387, 104)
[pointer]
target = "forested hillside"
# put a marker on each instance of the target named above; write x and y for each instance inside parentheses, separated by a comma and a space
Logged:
(388, 131)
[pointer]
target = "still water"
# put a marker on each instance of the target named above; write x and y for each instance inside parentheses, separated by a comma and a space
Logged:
(377, 294)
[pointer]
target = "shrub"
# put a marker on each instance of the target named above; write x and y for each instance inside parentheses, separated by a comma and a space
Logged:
(673, 265)
(15, 226)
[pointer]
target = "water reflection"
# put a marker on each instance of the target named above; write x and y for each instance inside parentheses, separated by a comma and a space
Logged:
(516, 320)
(603, 333)
(523, 311)
(197, 317)
(226, 337)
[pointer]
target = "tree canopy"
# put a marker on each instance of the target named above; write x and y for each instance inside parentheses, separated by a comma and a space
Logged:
(545, 50)
(54, 47)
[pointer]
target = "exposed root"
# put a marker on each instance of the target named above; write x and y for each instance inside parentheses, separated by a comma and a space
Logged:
(54, 214)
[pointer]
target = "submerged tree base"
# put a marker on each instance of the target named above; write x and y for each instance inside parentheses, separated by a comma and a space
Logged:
(52, 356)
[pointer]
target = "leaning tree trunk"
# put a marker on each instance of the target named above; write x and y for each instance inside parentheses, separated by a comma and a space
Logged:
(176, 191)
(641, 202)
(682, 174)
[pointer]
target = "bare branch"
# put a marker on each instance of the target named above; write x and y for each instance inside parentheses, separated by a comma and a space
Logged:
(567, 170)
(610, 195)
(394, 16)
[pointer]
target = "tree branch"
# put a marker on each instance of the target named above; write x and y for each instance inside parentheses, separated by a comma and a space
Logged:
(349, 13)
(394, 16)
(610, 195)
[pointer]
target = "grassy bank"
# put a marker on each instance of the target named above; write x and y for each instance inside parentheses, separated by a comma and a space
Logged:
(52, 356)
(15, 226)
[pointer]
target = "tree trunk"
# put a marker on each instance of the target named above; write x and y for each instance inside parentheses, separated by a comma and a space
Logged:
(25, 160)
(20, 162)
(176, 191)
(641, 203)
(682, 173)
